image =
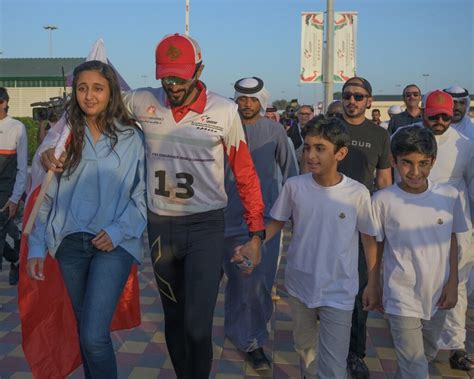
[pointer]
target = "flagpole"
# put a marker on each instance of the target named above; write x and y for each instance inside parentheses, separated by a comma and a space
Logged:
(328, 77)
(186, 27)
(39, 200)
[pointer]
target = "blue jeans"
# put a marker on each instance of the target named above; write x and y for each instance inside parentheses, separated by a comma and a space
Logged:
(94, 280)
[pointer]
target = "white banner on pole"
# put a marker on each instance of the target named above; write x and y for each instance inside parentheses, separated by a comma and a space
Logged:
(345, 28)
(312, 27)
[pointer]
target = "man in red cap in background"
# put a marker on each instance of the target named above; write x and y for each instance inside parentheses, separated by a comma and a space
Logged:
(454, 165)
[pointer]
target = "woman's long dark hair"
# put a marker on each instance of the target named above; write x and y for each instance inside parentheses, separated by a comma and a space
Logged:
(115, 111)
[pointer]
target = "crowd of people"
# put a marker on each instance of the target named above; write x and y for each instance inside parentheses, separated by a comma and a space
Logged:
(380, 214)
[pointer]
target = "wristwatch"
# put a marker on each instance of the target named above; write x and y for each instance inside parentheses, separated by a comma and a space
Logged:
(259, 233)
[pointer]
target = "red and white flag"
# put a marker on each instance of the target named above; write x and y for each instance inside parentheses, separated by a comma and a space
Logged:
(49, 331)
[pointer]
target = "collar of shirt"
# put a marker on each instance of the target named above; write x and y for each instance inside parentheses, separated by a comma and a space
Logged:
(197, 105)
(409, 116)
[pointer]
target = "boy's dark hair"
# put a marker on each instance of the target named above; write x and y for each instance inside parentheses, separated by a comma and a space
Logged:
(330, 128)
(413, 139)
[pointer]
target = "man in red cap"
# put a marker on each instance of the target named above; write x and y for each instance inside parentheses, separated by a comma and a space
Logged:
(454, 165)
(188, 130)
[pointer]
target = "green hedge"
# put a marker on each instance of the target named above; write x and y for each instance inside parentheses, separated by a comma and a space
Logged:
(32, 131)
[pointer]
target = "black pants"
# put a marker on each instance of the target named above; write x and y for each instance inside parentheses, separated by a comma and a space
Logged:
(7, 226)
(359, 316)
(186, 253)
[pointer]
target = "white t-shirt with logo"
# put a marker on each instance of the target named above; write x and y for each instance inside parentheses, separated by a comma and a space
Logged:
(417, 231)
(322, 259)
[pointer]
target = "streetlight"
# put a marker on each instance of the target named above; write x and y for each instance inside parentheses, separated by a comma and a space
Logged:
(426, 76)
(50, 28)
(299, 92)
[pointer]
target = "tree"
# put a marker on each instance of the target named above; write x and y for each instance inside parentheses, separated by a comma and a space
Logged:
(280, 104)
(337, 95)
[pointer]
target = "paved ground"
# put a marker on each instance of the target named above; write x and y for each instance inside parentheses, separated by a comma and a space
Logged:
(142, 353)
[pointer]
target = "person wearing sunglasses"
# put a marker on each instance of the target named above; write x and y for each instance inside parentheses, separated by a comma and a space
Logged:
(412, 114)
(368, 154)
(454, 165)
(303, 114)
(13, 173)
(188, 130)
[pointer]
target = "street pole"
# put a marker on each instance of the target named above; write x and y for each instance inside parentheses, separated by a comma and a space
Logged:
(186, 27)
(426, 76)
(328, 77)
(50, 28)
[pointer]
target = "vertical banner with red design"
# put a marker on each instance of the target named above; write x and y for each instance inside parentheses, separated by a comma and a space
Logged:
(345, 28)
(312, 27)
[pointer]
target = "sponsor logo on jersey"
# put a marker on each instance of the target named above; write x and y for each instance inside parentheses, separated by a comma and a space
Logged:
(207, 124)
(151, 120)
(151, 109)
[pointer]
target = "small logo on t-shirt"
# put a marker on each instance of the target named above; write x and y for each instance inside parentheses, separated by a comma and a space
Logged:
(342, 215)
(440, 221)
(151, 109)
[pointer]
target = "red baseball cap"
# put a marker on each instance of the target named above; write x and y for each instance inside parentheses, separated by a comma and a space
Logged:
(177, 55)
(438, 102)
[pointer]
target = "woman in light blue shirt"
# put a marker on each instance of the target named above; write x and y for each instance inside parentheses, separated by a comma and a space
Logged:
(94, 213)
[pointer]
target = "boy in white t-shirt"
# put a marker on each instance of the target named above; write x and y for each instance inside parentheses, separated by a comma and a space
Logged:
(328, 211)
(417, 220)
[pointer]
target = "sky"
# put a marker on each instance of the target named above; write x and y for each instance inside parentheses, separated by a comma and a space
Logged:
(427, 42)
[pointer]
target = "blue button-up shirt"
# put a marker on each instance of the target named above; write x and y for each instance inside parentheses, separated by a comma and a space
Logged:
(105, 192)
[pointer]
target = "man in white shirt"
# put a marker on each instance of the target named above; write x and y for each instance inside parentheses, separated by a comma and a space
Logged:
(455, 166)
(13, 165)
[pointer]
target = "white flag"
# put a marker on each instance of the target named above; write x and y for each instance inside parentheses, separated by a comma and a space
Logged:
(312, 27)
(345, 28)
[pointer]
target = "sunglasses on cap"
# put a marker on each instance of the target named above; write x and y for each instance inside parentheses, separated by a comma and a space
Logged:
(443, 117)
(412, 94)
(357, 96)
